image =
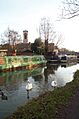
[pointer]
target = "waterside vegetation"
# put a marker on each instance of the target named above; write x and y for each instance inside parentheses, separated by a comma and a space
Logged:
(49, 104)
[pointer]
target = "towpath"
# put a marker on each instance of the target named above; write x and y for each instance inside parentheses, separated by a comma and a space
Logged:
(71, 111)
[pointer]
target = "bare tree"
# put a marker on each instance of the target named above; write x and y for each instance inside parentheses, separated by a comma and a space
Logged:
(48, 34)
(2, 41)
(11, 37)
(46, 30)
(70, 9)
(59, 40)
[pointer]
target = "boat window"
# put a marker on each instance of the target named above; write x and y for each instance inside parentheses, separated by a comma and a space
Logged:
(35, 59)
(9, 60)
(25, 59)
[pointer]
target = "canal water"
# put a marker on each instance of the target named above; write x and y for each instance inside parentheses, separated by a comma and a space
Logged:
(13, 84)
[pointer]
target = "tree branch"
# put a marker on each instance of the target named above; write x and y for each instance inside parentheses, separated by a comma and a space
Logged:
(70, 9)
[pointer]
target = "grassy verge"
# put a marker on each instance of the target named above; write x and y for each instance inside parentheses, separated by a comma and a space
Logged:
(47, 105)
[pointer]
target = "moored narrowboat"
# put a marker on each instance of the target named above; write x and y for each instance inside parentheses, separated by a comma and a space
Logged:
(10, 63)
(68, 58)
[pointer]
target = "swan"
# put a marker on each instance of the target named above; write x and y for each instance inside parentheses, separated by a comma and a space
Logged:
(54, 83)
(28, 86)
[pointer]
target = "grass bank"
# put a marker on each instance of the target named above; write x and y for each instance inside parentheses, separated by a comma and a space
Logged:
(47, 105)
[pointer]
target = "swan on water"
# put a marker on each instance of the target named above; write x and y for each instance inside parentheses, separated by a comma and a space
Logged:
(54, 83)
(29, 85)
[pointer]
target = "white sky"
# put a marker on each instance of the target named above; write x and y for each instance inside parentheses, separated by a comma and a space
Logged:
(26, 15)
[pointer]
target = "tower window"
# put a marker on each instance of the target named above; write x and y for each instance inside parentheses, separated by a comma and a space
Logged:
(25, 36)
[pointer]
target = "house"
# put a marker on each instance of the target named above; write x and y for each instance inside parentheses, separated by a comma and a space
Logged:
(53, 49)
(23, 49)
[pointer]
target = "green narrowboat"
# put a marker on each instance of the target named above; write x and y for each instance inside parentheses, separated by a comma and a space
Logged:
(9, 63)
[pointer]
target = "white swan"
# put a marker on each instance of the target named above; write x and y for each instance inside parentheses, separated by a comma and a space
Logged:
(29, 85)
(54, 83)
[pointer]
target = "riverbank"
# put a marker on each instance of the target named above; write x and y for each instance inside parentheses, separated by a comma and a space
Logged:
(50, 105)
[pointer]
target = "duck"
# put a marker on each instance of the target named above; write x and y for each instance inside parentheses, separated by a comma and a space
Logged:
(3, 96)
(29, 85)
(53, 83)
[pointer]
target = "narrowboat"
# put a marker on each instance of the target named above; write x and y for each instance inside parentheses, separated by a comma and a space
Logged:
(68, 58)
(52, 58)
(10, 63)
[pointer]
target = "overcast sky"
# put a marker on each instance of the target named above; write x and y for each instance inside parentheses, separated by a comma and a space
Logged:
(26, 15)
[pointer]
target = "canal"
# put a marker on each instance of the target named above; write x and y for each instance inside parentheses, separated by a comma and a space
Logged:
(13, 84)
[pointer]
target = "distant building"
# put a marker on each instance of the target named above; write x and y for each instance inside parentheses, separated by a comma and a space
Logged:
(3, 52)
(25, 36)
(56, 50)
(52, 48)
(23, 48)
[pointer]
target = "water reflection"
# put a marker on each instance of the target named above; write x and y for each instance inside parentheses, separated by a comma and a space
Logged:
(65, 74)
(13, 84)
(68, 64)
(28, 94)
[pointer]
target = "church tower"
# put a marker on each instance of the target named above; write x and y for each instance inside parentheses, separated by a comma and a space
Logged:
(25, 36)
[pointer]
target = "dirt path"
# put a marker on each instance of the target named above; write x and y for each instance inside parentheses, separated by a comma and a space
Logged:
(71, 111)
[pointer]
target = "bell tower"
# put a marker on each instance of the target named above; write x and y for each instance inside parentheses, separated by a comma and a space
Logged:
(25, 36)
